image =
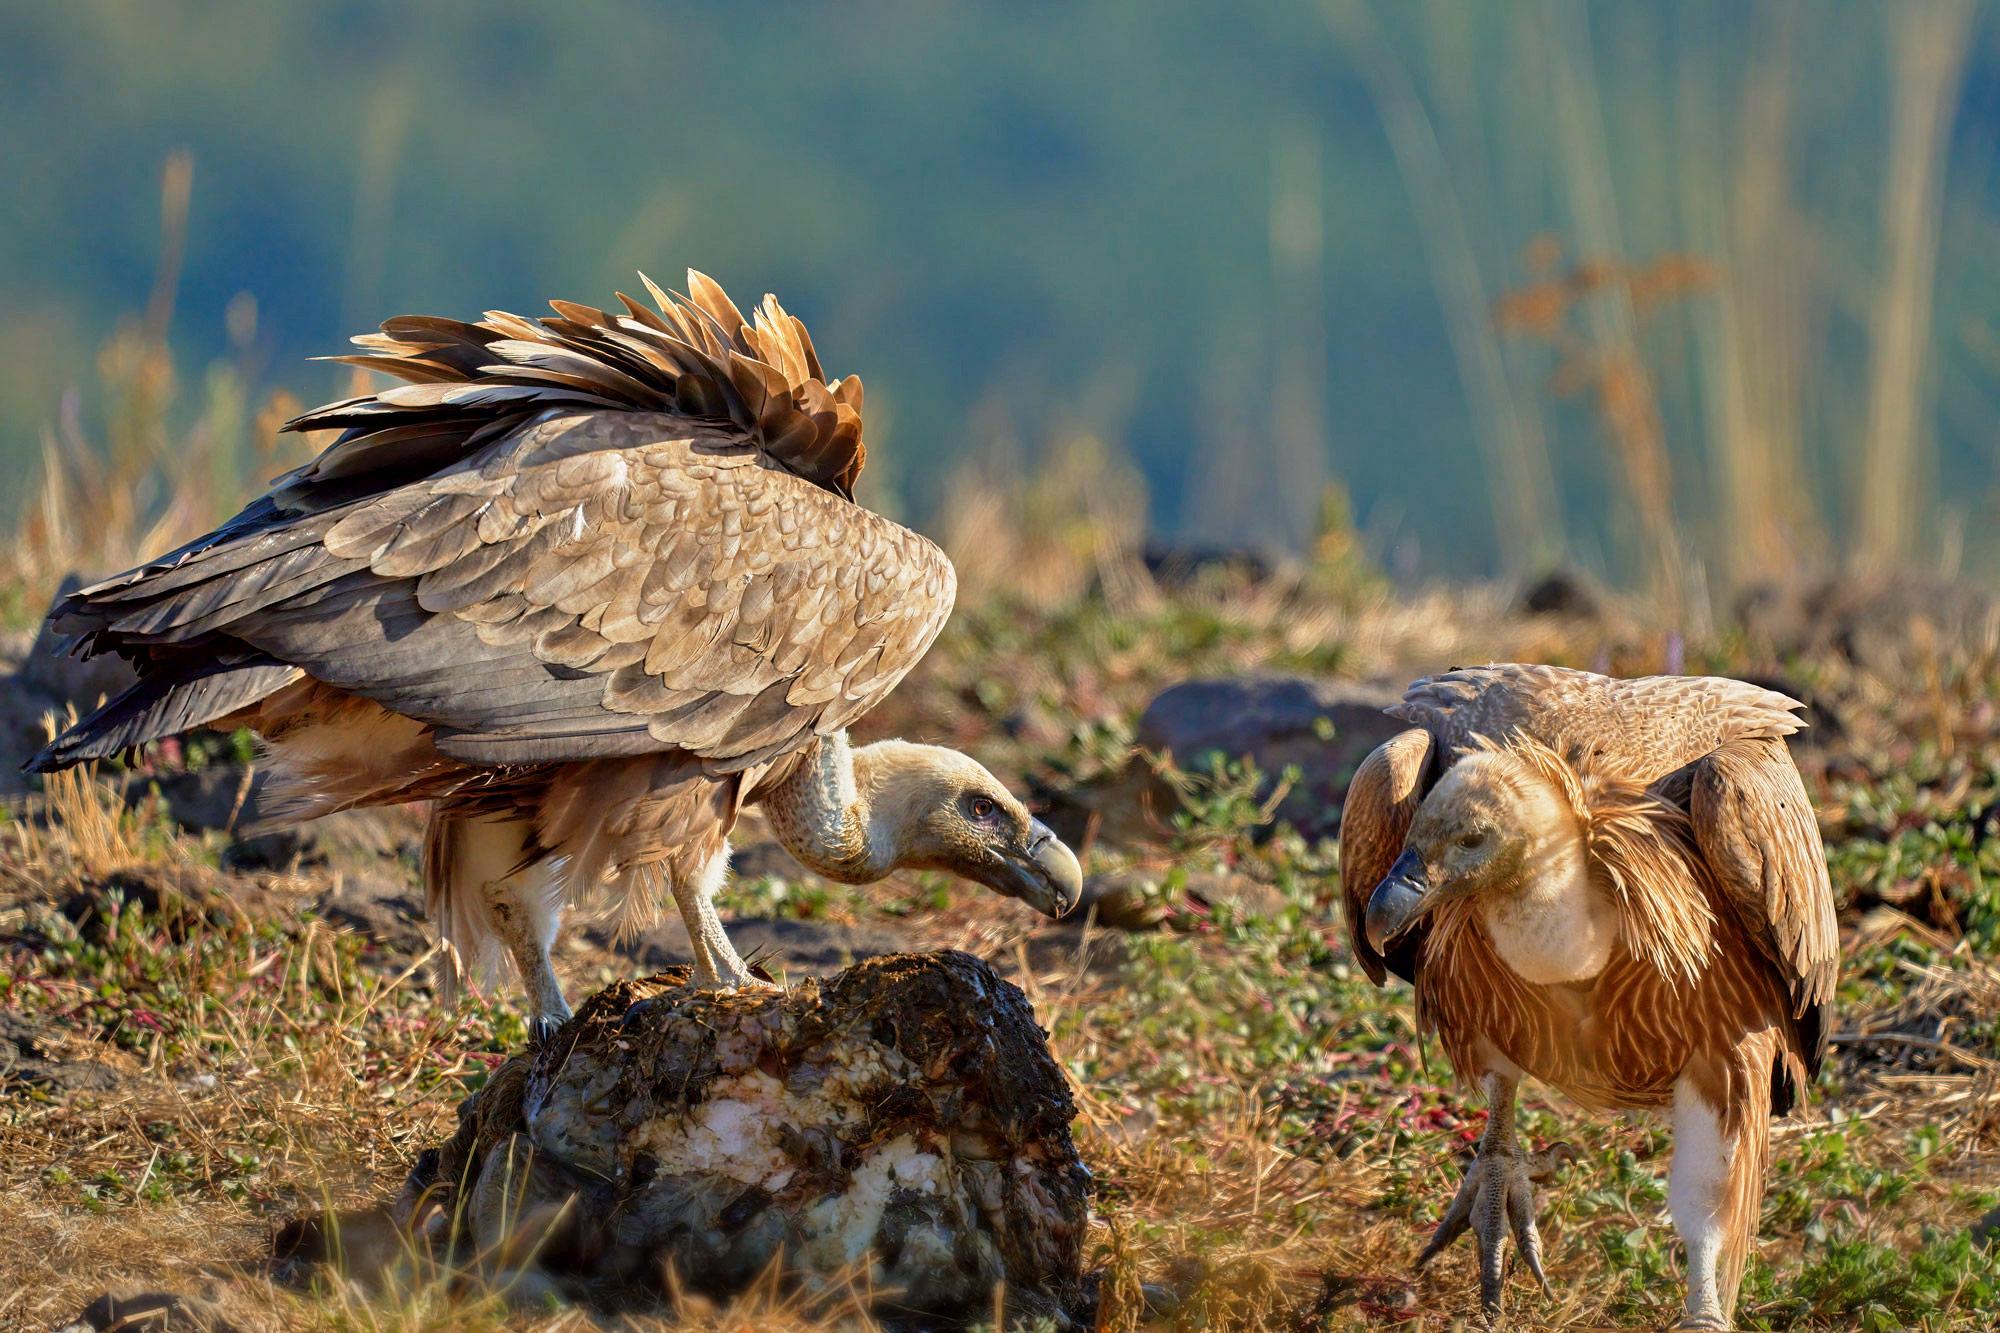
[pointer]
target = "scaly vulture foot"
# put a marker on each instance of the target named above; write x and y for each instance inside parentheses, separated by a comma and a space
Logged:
(720, 967)
(732, 982)
(1715, 1323)
(542, 1028)
(1497, 1196)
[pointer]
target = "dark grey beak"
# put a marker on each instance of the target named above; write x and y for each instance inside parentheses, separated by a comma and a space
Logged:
(1393, 906)
(1051, 880)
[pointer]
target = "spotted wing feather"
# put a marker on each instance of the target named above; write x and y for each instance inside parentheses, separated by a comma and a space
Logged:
(1757, 832)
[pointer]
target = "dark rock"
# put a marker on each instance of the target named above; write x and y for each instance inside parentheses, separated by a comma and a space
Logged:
(1276, 721)
(381, 908)
(1986, 1231)
(906, 1115)
(151, 1311)
(1561, 592)
(370, 839)
(181, 897)
(1177, 565)
(281, 849)
(785, 946)
(38, 677)
(216, 797)
(231, 798)
(37, 1052)
(48, 667)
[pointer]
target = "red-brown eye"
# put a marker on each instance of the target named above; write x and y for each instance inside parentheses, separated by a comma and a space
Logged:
(982, 808)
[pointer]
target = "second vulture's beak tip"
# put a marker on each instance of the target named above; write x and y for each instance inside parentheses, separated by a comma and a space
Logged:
(1394, 903)
(1060, 868)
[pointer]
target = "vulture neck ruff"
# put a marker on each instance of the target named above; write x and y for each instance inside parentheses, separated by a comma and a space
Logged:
(1556, 925)
(1606, 861)
(824, 817)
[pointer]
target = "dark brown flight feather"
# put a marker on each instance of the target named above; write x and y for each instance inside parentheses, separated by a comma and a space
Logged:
(693, 356)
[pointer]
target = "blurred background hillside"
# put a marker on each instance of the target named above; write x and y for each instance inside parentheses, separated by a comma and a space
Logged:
(1679, 295)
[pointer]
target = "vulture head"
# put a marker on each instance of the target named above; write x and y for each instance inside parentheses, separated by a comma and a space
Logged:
(930, 808)
(1496, 829)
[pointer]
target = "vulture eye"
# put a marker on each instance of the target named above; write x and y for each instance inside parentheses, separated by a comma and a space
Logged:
(1471, 840)
(982, 807)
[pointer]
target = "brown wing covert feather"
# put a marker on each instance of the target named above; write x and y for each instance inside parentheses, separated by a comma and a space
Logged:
(1382, 802)
(587, 537)
(1757, 831)
(677, 593)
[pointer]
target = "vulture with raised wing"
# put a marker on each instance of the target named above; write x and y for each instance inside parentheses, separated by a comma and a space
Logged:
(1618, 887)
(588, 584)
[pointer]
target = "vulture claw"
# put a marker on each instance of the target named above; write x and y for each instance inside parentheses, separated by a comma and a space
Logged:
(1497, 1197)
(542, 1029)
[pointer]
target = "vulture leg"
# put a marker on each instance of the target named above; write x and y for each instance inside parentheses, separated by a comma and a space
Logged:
(1498, 1196)
(481, 890)
(527, 907)
(1721, 1144)
(717, 965)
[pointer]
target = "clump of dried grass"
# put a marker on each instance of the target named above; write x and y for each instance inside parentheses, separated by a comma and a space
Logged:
(148, 477)
(1048, 533)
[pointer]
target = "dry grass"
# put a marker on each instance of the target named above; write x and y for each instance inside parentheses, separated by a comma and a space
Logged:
(1270, 1144)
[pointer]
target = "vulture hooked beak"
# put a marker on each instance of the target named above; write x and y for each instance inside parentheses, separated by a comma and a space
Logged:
(1043, 874)
(1403, 896)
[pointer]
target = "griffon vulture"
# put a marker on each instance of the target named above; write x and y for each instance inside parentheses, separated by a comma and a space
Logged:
(589, 585)
(1618, 887)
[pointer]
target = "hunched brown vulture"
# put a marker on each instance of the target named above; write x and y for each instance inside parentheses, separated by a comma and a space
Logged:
(1618, 887)
(589, 584)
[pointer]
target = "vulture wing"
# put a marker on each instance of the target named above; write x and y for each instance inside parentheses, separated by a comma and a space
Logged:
(1757, 831)
(1639, 729)
(1382, 801)
(569, 539)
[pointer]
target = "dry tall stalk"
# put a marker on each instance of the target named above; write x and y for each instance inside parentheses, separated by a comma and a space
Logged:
(1521, 485)
(1755, 339)
(1627, 402)
(1299, 433)
(144, 487)
(1927, 43)
(1044, 534)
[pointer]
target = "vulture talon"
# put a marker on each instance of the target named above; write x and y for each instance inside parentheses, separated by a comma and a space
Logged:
(542, 1029)
(1496, 1197)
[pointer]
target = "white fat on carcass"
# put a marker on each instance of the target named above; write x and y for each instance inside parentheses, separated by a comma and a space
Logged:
(844, 1225)
(734, 1131)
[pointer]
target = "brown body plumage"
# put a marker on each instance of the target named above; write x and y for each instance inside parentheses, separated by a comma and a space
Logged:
(589, 584)
(1645, 852)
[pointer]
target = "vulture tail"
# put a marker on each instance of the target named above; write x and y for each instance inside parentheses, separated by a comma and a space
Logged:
(172, 697)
